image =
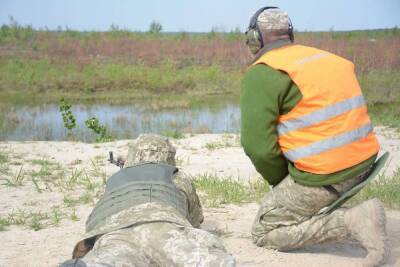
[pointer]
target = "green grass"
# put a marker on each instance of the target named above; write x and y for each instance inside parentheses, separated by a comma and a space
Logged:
(382, 92)
(16, 179)
(173, 133)
(4, 223)
(44, 80)
(218, 191)
(3, 158)
(387, 189)
(3, 163)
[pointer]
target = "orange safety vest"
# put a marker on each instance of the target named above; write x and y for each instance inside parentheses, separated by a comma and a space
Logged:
(329, 129)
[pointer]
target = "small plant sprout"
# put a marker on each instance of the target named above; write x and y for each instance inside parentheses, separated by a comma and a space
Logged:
(67, 116)
(99, 129)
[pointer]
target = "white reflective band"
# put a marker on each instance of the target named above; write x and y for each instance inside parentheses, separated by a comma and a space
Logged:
(329, 144)
(321, 115)
(311, 58)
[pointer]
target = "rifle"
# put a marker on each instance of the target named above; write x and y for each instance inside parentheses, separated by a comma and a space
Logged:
(119, 162)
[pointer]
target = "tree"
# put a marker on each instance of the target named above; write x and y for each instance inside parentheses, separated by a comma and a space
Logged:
(155, 27)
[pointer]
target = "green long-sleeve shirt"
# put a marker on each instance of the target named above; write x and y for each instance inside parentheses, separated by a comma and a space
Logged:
(265, 95)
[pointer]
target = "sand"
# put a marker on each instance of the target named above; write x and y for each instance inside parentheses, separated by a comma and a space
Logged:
(218, 154)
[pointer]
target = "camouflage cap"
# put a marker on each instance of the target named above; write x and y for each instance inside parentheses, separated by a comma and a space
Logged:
(151, 148)
(273, 19)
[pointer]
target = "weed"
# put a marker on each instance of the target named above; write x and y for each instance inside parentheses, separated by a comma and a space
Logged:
(17, 179)
(176, 134)
(223, 191)
(43, 162)
(35, 222)
(17, 218)
(387, 189)
(3, 158)
(67, 115)
(211, 146)
(73, 216)
(36, 184)
(99, 129)
(56, 216)
(4, 223)
(96, 171)
(44, 173)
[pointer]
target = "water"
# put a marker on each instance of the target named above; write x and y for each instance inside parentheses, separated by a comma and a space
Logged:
(44, 122)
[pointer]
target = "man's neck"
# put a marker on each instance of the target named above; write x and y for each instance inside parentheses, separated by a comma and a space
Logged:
(270, 46)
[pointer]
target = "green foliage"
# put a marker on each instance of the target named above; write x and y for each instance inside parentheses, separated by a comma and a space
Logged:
(67, 115)
(176, 134)
(155, 27)
(235, 34)
(99, 129)
(220, 191)
(14, 31)
(3, 158)
(16, 179)
(4, 223)
(387, 189)
(35, 222)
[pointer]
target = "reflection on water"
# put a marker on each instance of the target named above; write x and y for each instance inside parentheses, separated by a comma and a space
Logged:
(44, 122)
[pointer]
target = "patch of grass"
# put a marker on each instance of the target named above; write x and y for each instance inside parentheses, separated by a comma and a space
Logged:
(73, 216)
(215, 191)
(176, 134)
(56, 216)
(4, 223)
(43, 162)
(3, 158)
(3, 163)
(16, 179)
(35, 222)
(218, 191)
(93, 80)
(387, 189)
(36, 184)
(17, 218)
(211, 146)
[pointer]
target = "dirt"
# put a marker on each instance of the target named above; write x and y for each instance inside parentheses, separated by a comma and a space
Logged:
(212, 153)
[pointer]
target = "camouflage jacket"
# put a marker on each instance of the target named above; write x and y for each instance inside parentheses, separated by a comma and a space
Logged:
(147, 213)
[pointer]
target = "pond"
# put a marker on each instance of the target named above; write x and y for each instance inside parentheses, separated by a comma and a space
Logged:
(44, 121)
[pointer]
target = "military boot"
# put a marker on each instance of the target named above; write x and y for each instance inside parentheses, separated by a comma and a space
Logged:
(367, 224)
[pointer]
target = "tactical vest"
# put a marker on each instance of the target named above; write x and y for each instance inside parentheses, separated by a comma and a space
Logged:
(329, 129)
(139, 184)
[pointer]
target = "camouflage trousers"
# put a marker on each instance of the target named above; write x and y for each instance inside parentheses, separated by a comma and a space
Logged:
(287, 218)
(158, 244)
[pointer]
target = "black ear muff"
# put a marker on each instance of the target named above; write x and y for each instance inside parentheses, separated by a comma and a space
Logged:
(290, 29)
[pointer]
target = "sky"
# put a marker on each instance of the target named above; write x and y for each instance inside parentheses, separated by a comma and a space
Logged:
(198, 16)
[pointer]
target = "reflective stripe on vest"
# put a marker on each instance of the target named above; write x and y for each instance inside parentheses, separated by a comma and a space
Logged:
(329, 129)
(321, 115)
(328, 144)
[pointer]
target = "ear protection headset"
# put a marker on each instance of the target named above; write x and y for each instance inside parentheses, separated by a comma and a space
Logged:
(254, 26)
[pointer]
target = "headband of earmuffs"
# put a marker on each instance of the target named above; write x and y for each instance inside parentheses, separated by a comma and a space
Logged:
(253, 25)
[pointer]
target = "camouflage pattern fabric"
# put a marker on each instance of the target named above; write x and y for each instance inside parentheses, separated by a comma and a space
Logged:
(154, 234)
(273, 19)
(287, 216)
(150, 148)
(159, 244)
(150, 212)
(273, 25)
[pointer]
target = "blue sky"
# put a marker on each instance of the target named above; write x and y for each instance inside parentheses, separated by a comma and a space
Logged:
(198, 16)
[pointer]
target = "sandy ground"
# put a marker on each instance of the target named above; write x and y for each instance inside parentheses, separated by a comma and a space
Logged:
(199, 154)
